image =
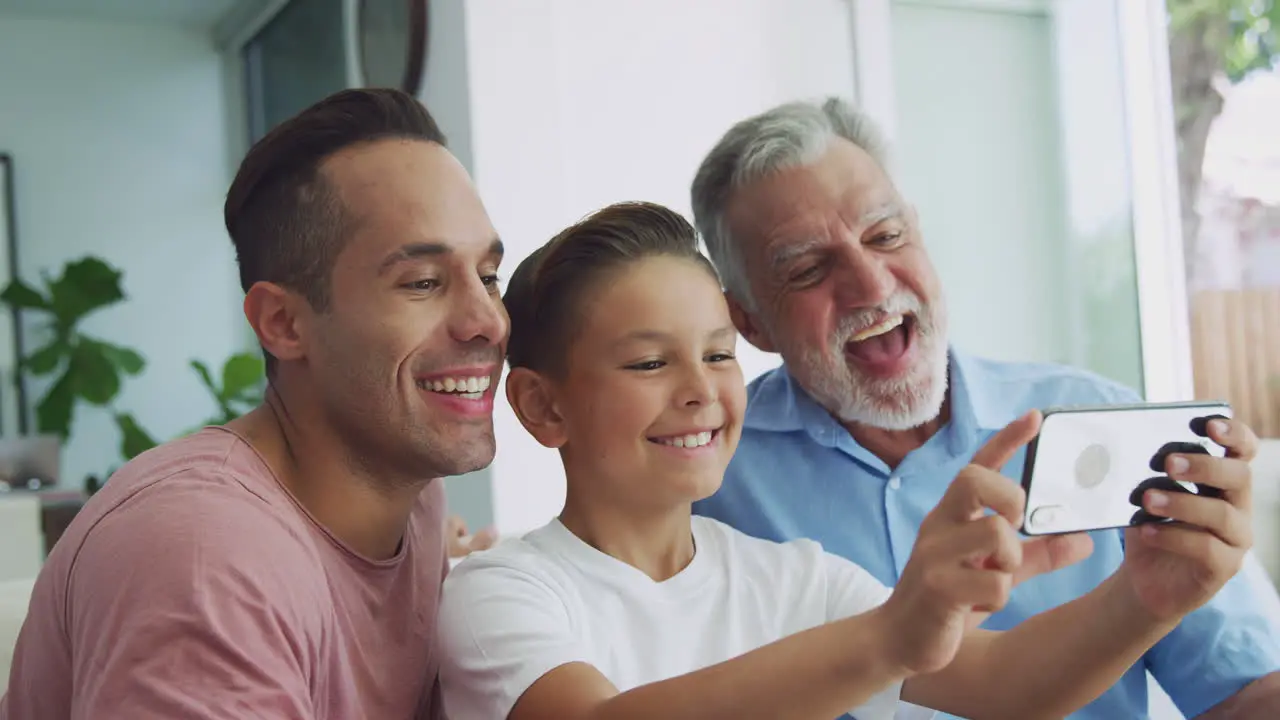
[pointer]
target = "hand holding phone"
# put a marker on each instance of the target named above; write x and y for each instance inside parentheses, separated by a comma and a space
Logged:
(1090, 467)
(1175, 475)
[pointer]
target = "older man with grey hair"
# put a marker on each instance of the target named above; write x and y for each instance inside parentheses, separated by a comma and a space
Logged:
(855, 438)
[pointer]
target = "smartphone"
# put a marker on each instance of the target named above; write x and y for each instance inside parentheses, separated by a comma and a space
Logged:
(1089, 466)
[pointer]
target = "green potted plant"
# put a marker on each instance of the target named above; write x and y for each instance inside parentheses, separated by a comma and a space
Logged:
(82, 368)
(235, 390)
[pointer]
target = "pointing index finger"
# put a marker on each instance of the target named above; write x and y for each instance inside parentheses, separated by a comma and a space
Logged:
(1005, 444)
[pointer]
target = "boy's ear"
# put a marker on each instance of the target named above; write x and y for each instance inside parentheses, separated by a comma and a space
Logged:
(533, 401)
(748, 325)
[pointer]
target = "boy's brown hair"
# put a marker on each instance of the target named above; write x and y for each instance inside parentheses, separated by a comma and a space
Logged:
(545, 295)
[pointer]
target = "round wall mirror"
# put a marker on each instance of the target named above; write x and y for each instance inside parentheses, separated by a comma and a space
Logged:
(392, 36)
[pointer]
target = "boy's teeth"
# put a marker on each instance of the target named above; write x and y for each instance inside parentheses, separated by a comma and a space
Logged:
(689, 441)
(465, 386)
(880, 329)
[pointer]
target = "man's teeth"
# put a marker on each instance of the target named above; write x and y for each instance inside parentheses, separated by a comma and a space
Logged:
(880, 329)
(469, 387)
(688, 441)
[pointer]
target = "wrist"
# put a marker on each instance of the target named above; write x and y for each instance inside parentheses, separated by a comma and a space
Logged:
(887, 642)
(1120, 602)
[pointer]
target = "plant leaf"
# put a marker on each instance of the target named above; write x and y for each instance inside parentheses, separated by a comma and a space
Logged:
(206, 377)
(95, 377)
(240, 374)
(85, 285)
(22, 296)
(126, 361)
(133, 439)
(46, 359)
(53, 413)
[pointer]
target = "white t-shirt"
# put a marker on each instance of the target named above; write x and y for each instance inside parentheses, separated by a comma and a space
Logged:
(511, 614)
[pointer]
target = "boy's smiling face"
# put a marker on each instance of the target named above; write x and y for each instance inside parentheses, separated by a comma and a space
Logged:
(652, 401)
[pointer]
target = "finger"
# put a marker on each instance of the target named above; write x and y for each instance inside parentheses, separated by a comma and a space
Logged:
(984, 591)
(455, 526)
(1213, 515)
(1052, 552)
(1204, 548)
(1237, 437)
(1003, 445)
(977, 489)
(484, 539)
(989, 542)
(1231, 475)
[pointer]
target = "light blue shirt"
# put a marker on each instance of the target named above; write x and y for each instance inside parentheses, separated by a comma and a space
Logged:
(799, 473)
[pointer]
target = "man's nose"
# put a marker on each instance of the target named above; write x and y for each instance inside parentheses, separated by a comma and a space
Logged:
(478, 315)
(864, 280)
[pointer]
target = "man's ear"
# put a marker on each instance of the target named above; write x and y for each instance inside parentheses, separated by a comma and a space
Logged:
(748, 325)
(533, 399)
(279, 319)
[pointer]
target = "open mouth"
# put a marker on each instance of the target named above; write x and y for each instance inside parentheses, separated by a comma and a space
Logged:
(470, 387)
(883, 345)
(689, 441)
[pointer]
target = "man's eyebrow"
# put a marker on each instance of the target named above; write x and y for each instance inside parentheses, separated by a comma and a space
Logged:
(786, 252)
(877, 215)
(415, 250)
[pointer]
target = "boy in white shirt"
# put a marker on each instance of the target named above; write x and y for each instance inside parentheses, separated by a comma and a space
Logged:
(626, 606)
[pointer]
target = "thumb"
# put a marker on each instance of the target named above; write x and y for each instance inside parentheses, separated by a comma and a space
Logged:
(1051, 552)
(455, 526)
(1002, 446)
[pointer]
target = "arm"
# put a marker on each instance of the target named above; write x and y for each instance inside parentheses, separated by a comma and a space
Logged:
(1260, 698)
(1055, 662)
(1170, 571)
(818, 673)
(1222, 660)
(191, 604)
(509, 648)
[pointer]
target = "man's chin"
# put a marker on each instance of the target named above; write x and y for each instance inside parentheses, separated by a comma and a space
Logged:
(896, 404)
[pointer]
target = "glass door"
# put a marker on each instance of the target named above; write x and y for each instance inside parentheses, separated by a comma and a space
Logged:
(1031, 138)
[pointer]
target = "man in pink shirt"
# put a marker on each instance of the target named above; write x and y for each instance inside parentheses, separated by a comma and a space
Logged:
(288, 564)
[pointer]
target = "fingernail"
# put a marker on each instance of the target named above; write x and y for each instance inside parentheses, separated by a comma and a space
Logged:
(1148, 531)
(1157, 499)
(1178, 464)
(1217, 427)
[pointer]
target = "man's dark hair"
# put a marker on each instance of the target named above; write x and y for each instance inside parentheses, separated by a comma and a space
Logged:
(284, 218)
(544, 297)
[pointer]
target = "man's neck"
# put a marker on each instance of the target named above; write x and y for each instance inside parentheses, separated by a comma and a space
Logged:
(657, 542)
(893, 446)
(369, 514)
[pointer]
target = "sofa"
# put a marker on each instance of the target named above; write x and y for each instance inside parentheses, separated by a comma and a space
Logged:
(15, 595)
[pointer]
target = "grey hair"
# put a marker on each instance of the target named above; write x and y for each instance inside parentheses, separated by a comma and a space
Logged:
(791, 135)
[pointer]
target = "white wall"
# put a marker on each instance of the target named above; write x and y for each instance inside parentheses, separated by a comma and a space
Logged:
(576, 104)
(120, 142)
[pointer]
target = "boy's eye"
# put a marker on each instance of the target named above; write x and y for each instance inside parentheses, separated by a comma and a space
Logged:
(490, 281)
(647, 365)
(720, 357)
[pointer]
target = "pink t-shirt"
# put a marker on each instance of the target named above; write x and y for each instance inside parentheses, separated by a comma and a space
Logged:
(194, 586)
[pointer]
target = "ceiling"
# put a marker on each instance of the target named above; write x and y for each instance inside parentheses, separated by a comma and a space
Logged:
(183, 13)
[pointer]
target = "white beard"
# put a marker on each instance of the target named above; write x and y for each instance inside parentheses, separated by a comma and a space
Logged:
(894, 404)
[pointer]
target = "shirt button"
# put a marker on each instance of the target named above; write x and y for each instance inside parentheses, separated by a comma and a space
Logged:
(895, 483)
